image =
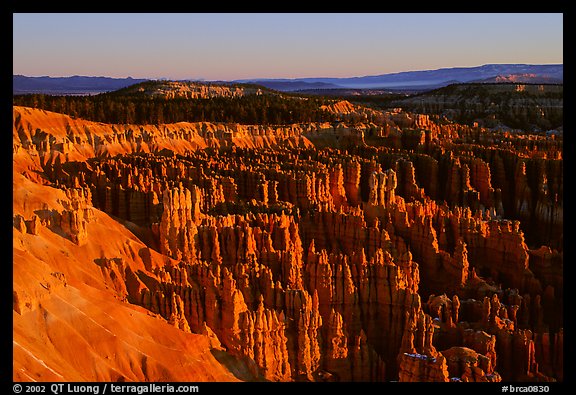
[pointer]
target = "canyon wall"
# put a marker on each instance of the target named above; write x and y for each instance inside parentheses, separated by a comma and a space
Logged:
(421, 253)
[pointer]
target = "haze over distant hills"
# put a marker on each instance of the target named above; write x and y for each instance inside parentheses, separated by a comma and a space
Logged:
(423, 80)
(430, 79)
(69, 85)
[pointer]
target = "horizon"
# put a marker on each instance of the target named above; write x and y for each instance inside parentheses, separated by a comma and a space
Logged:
(231, 47)
(283, 78)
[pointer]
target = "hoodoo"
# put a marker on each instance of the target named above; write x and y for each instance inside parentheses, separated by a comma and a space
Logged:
(390, 246)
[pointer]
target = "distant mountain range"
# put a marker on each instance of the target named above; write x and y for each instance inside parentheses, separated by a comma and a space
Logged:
(430, 79)
(69, 85)
(410, 80)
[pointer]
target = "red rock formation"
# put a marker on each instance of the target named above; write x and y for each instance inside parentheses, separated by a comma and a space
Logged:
(352, 182)
(382, 188)
(508, 351)
(418, 359)
(263, 340)
(480, 179)
(308, 262)
(178, 225)
(407, 186)
(466, 365)
(336, 358)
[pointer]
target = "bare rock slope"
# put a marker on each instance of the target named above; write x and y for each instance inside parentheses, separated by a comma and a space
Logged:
(404, 249)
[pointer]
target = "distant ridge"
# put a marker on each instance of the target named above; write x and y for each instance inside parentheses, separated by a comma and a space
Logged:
(407, 80)
(428, 78)
(69, 85)
(520, 79)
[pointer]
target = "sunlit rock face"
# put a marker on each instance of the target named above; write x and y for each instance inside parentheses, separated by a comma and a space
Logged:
(400, 249)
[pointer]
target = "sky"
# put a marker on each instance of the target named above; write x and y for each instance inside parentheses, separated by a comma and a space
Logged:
(278, 45)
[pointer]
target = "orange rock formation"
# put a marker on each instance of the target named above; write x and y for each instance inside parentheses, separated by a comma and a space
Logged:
(407, 250)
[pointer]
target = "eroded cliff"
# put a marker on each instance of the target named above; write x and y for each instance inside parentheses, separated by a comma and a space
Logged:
(403, 250)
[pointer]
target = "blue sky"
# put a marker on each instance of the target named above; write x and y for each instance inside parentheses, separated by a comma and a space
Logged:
(293, 45)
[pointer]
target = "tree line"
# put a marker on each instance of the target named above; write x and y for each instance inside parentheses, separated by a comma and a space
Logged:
(139, 109)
